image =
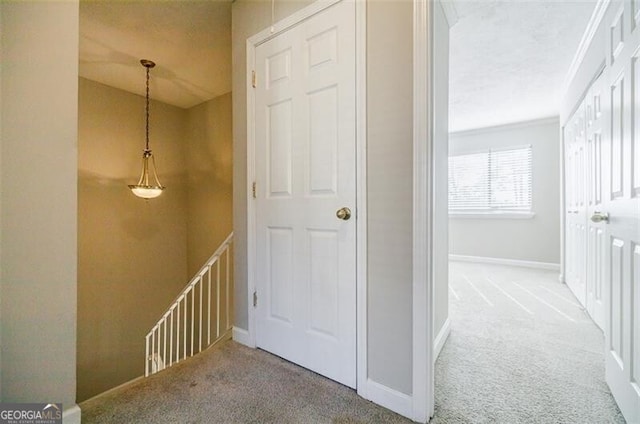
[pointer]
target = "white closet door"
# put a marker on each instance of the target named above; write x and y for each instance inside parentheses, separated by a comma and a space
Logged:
(575, 223)
(596, 283)
(305, 173)
(622, 203)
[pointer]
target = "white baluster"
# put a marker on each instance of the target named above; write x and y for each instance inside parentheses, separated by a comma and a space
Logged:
(170, 338)
(184, 335)
(200, 324)
(178, 333)
(153, 347)
(164, 343)
(228, 322)
(146, 357)
(193, 300)
(157, 357)
(217, 300)
(209, 305)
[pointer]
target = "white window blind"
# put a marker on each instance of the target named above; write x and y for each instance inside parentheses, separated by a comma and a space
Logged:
(497, 180)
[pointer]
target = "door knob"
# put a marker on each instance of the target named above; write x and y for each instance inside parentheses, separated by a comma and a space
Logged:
(343, 213)
(600, 217)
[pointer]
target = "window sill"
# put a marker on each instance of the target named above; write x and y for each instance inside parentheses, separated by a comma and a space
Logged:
(491, 215)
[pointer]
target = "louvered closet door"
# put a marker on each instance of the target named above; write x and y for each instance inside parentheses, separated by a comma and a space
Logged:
(622, 202)
(305, 172)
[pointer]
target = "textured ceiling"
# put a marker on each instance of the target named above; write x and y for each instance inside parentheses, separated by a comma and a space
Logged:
(190, 42)
(509, 59)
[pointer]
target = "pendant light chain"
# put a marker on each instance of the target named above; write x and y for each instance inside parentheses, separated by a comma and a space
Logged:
(147, 111)
(273, 15)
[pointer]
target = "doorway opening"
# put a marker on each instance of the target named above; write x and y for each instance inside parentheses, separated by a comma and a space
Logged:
(521, 344)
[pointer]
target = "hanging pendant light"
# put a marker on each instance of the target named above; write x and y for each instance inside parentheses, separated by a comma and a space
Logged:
(147, 188)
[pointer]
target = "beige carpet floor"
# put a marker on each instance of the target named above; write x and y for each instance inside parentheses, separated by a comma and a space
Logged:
(521, 350)
(234, 384)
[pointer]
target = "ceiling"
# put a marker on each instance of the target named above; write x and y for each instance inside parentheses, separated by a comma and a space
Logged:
(509, 59)
(189, 40)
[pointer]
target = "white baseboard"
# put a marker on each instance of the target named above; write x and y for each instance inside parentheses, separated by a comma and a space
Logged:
(394, 400)
(241, 336)
(441, 338)
(503, 261)
(71, 415)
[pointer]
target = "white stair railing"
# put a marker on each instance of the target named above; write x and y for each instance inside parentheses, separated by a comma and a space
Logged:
(180, 332)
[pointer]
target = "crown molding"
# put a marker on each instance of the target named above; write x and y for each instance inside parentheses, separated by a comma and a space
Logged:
(585, 42)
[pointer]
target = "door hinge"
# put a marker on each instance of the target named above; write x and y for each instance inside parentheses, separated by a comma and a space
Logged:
(254, 80)
(255, 299)
(253, 189)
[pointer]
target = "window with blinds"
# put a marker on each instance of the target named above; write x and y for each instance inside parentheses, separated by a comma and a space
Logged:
(495, 180)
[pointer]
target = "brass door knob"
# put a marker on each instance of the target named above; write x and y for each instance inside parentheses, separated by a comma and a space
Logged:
(600, 217)
(343, 213)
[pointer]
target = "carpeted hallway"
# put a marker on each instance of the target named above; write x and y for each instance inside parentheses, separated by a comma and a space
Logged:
(521, 350)
(234, 384)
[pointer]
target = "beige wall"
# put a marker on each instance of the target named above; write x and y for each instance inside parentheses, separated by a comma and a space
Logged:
(0, 206)
(390, 191)
(132, 258)
(131, 249)
(39, 210)
(389, 38)
(209, 164)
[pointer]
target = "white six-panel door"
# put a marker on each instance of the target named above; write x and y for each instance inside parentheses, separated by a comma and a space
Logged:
(305, 158)
(575, 221)
(622, 203)
(595, 231)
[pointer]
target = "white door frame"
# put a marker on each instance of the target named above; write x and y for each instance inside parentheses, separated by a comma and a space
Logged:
(361, 173)
(423, 206)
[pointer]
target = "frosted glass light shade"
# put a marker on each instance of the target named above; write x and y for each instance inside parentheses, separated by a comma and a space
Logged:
(144, 189)
(146, 192)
